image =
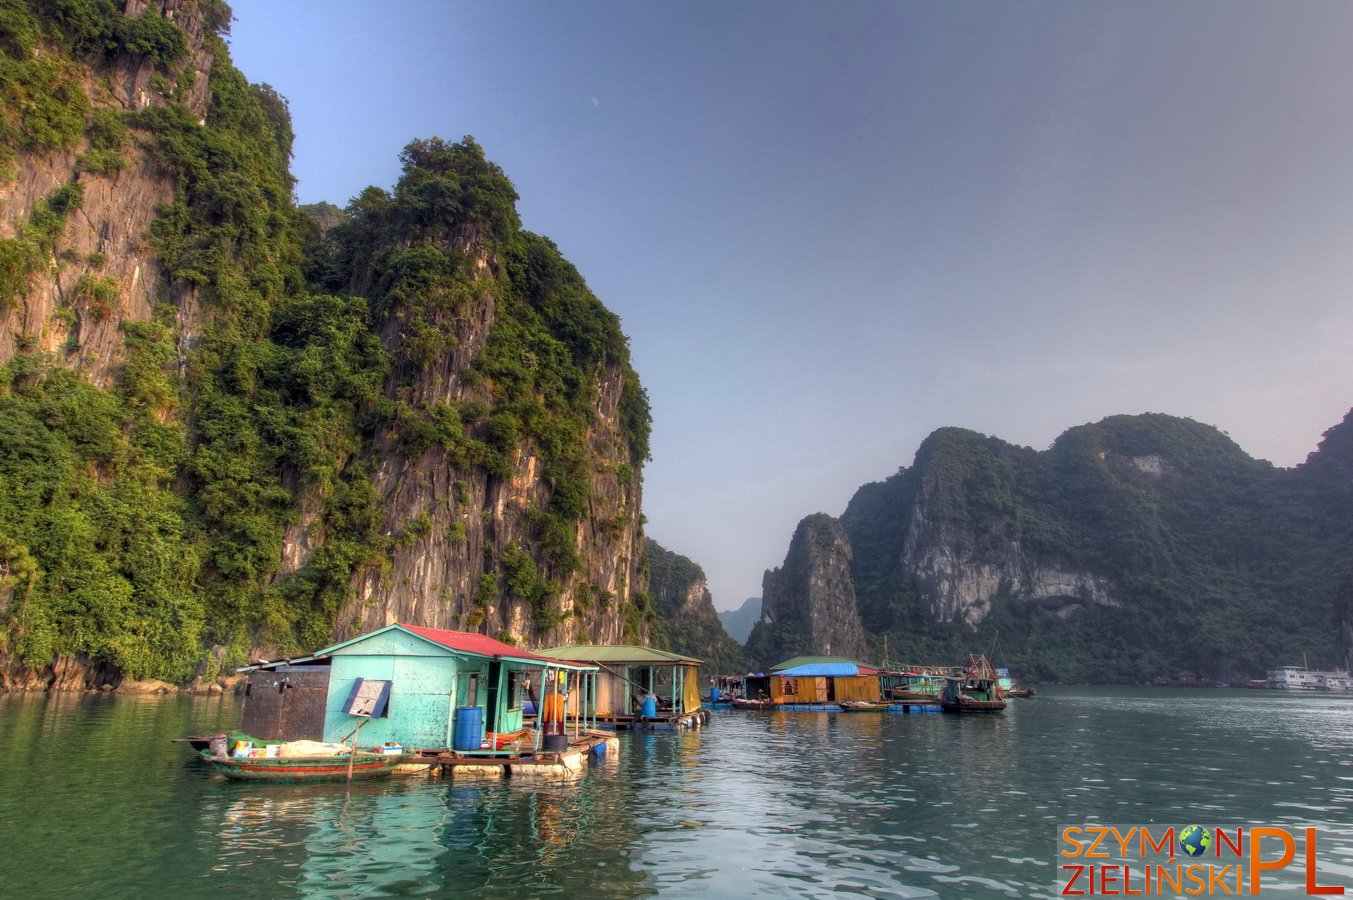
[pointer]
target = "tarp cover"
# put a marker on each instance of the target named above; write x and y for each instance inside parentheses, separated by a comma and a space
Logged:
(815, 670)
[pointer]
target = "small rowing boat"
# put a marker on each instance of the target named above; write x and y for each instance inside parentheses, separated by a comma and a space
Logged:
(295, 769)
(862, 706)
(746, 703)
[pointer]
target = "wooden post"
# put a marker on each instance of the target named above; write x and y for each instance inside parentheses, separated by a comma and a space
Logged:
(352, 757)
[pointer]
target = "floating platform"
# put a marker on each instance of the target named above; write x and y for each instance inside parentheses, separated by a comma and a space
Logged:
(553, 765)
(905, 707)
(696, 718)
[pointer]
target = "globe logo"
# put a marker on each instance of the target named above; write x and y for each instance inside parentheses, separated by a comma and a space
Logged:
(1194, 840)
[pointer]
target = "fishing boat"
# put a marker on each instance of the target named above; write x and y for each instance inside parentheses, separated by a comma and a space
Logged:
(338, 767)
(976, 689)
(914, 685)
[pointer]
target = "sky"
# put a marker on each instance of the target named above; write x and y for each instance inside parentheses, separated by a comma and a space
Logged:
(830, 228)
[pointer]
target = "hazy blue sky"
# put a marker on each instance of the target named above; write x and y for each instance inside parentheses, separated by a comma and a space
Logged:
(832, 227)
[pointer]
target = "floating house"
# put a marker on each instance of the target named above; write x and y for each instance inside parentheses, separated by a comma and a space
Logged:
(638, 687)
(815, 682)
(420, 688)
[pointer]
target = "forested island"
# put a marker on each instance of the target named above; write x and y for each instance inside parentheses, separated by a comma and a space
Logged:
(232, 427)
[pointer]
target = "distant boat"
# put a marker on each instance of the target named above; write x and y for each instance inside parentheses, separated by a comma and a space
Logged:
(977, 689)
(1300, 678)
(1008, 686)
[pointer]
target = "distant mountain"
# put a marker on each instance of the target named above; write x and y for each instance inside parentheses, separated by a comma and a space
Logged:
(738, 622)
(1134, 549)
(685, 608)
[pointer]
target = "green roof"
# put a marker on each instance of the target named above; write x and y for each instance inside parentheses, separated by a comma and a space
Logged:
(624, 653)
(818, 661)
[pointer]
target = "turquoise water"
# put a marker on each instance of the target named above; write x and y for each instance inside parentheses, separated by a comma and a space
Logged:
(95, 802)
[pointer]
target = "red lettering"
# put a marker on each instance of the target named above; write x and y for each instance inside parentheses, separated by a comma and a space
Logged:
(1108, 879)
(1127, 882)
(1075, 873)
(1221, 838)
(1311, 886)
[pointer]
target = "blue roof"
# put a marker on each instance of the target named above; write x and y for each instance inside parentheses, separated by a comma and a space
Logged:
(813, 670)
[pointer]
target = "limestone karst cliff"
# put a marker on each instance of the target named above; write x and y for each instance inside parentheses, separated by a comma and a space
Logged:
(1133, 549)
(808, 605)
(232, 430)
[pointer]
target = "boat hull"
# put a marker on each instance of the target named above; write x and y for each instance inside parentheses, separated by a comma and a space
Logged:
(284, 770)
(862, 706)
(972, 706)
(753, 704)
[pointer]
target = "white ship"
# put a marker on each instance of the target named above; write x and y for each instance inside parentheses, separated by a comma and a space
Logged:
(1300, 678)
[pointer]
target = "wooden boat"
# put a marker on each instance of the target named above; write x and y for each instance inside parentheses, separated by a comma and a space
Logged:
(295, 769)
(977, 689)
(915, 685)
(745, 703)
(1007, 685)
(862, 706)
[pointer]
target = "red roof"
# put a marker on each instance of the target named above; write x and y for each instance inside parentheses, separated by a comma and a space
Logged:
(483, 645)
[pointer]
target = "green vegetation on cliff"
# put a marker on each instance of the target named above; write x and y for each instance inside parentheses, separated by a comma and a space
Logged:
(144, 523)
(1218, 564)
(684, 606)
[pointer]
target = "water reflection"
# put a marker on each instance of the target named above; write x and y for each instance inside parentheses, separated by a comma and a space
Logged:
(759, 804)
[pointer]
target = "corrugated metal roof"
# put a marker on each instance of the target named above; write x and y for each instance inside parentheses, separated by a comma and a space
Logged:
(856, 667)
(623, 653)
(464, 642)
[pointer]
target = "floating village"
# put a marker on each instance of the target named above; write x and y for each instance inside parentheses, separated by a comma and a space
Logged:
(455, 704)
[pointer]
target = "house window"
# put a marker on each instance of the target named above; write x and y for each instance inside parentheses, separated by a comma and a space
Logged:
(789, 686)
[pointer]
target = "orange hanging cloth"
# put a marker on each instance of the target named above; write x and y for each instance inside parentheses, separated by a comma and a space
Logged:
(552, 713)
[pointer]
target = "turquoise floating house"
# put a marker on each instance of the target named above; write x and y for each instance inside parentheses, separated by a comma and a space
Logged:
(429, 688)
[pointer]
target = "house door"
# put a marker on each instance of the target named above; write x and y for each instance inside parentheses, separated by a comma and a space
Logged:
(491, 708)
(421, 700)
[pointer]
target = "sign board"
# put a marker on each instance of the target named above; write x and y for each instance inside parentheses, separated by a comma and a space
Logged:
(368, 698)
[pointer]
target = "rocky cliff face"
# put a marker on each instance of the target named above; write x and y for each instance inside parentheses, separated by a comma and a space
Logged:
(683, 602)
(808, 604)
(1133, 549)
(960, 569)
(106, 238)
(421, 415)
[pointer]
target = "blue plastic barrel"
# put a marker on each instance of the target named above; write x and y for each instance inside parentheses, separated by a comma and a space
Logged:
(649, 708)
(469, 730)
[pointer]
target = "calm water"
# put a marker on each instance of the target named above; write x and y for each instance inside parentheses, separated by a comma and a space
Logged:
(95, 802)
